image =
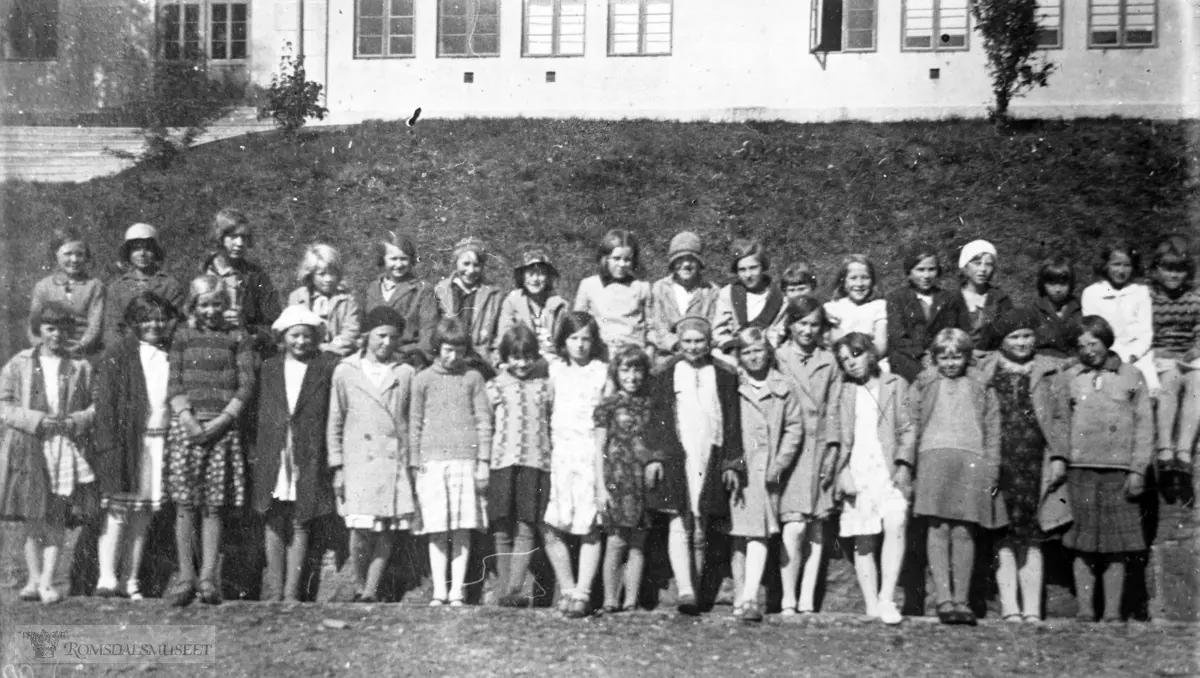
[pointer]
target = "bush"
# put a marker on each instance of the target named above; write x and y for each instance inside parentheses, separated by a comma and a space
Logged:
(291, 97)
(1010, 38)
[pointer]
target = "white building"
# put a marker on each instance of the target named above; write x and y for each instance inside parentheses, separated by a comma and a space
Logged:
(801, 60)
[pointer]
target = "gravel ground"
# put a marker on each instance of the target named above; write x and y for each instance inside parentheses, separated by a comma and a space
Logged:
(258, 639)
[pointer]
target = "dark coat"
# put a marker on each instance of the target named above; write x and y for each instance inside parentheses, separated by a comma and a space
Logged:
(909, 333)
(1056, 335)
(997, 302)
(120, 424)
(714, 500)
(314, 484)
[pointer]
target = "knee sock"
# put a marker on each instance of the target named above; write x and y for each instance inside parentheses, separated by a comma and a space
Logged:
(524, 546)
(1031, 582)
(937, 550)
(589, 563)
(360, 556)
(275, 559)
(210, 551)
(699, 551)
(379, 560)
(1166, 411)
(439, 558)
(1085, 587)
(962, 541)
(52, 540)
(33, 560)
(296, 553)
(1006, 581)
(185, 542)
(891, 558)
(614, 570)
(635, 563)
(109, 551)
(502, 542)
(756, 562)
(679, 552)
(865, 571)
(139, 524)
(1114, 586)
(460, 545)
(737, 567)
(812, 568)
(560, 560)
(789, 562)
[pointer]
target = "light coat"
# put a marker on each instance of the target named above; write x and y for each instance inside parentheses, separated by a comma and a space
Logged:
(343, 323)
(515, 310)
(897, 432)
(815, 383)
(664, 311)
(483, 319)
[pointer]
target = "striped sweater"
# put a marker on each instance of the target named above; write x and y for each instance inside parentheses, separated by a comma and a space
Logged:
(211, 372)
(1176, 323)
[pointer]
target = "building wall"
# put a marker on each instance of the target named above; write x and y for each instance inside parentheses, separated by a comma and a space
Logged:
(752, 62)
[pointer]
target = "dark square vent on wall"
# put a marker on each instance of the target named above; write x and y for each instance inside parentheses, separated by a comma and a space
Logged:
(468, 77)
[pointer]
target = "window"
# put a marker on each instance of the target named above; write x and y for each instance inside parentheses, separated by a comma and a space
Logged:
(1122, 23)
(31, 30)
(469, 28)
(384, 28)
(842, 26)
(228, 34)
(934, 24)
(553, 28)
(181, 31)
(639, 27)
(1049, 18)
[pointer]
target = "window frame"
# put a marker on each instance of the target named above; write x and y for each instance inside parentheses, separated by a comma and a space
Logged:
(934, 45)
(43, 51)
(846, 28)
(208, 39)
(555, 32)
(488, 55)
(386, 36)
(204, 30)
(641, 37)
(1059, 31)
(1122, 28)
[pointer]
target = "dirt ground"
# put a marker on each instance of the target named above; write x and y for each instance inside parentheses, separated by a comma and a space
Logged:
(267, 639)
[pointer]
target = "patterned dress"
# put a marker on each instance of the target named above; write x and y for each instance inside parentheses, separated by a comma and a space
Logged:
(1021, 450)
(627, 419)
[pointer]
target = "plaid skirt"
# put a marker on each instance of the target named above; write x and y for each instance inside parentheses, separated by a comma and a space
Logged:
(1105, 520)
(210, 476)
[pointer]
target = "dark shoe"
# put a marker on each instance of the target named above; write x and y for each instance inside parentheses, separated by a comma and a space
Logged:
(182, 593)
(209, 595)
(29, 594)
(945, 612)
(514, 600)
(963, 615)
(105, 592)
(687, 605)
(752, 613)
(1165, 478)
(367, 599)
(578, 608)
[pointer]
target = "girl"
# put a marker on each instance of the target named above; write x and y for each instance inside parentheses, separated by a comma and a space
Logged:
(533, 303)
(750, 301)
(917, 312)
(451, 442)
(212, 367)
(1033, 458)
(857, 305)
(45, 479)
(142, 255)
(629, 462)
(1176, 344)
(958, 468)
(577, 379)
(369, 453)
(618, 301)
(1127, 307)
(292, 481)
(71, 288)
(704, 462)
(978, 301)
(806, 499)
(772, 426)
(466, 296)
(253, 302)
(873, 435)
(683, 293)
(412, 298)
(520, 467)
(798, 280)
(1111, 439)
(1057, 309)
(323, 293)
(132, 419)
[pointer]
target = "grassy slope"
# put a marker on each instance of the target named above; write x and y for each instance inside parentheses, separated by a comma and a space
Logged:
(823, 190)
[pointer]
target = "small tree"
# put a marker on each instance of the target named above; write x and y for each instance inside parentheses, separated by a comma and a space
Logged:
(1010, 38)
(291, 97)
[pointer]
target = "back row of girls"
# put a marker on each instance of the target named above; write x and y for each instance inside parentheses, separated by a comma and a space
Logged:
(179, 429)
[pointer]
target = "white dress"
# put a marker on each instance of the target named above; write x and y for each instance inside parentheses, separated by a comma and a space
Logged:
(698, 411)
(877, 496)
(149, 494)
(577, 391)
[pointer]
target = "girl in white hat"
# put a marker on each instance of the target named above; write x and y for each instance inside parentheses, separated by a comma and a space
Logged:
(142, 257)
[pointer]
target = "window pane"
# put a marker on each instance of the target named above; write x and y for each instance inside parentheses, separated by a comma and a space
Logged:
(454, 25)
(370, 26)
(1139, 37)
(401, 27)
(486, 24)
(218, 13)
(453, 44)
(860, 39)
(918, 23)
(860, 20)
(917, 42)
(402, 7)
(948, 40)
(372, 46)
(218, 50)
(219, 32)
(237, 50)
(1104, 37)
(370, 8)
(239, 31)
(239, 12)
(401, 46)
(1047, 37)
(486, 44)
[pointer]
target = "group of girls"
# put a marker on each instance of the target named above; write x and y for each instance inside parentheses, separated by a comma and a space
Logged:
(750, 410)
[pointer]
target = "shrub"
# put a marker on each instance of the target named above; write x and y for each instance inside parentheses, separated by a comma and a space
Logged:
(1010, 38)
(291, 98)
